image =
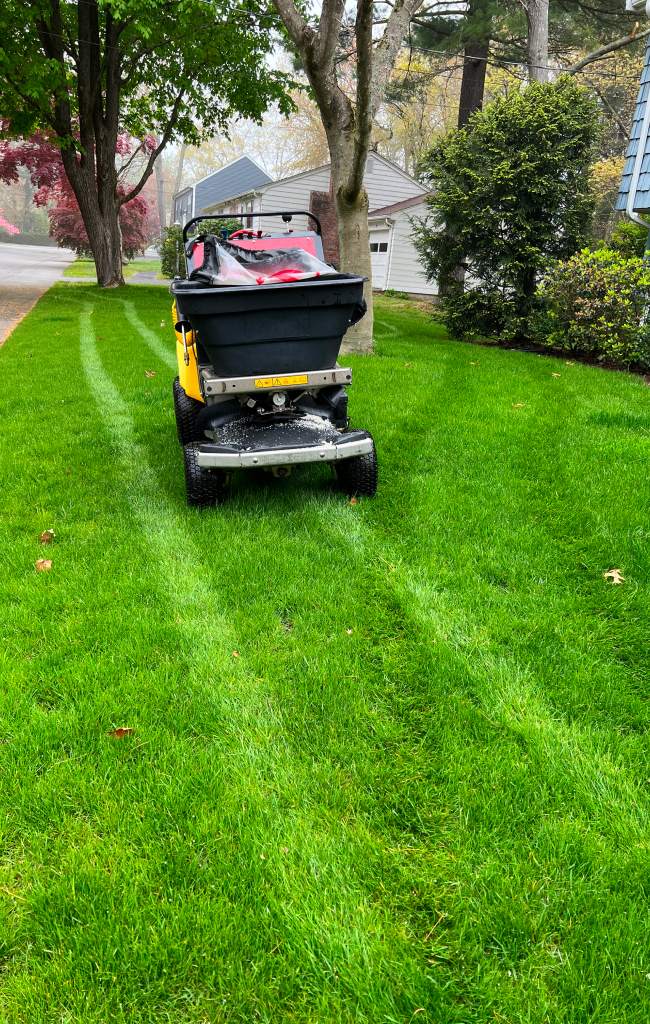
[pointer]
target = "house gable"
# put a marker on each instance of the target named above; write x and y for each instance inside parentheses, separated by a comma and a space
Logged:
(385, 182)
(238, 178)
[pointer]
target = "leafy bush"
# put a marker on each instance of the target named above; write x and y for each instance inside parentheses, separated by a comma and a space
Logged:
(595, 304)
(509, 193)
(480, 313)
(172, 255)
(628, 239)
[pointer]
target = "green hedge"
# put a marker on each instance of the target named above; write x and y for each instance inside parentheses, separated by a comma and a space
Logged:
(596, 304)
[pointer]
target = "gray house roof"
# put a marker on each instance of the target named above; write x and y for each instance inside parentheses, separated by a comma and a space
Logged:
(235, 179)
(642, 191)
(404, 204)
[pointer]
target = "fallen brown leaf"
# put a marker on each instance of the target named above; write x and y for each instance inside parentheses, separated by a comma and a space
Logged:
(518, 405)
(569, 362)
(556, 375)
(121, 732)
(43, 565)
(354, 501)
(150, 373)
(47, 536)
(614, 576)
(235, 654)
(349, 632)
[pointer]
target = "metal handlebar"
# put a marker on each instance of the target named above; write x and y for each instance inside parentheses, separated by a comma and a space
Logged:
(285, 214)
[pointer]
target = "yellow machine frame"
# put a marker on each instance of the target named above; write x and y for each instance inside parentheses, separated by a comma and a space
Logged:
(188, 373)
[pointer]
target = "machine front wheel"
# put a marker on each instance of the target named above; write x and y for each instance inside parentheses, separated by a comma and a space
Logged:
(358, 476)
(204, 487)
(186, 410)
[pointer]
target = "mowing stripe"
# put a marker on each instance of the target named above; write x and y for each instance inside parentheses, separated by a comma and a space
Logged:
(384, 326)
(178, 561)
(509, 695)
(258, 747)
(149, 337)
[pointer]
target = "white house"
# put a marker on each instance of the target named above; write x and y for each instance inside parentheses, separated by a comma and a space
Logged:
(243, 188)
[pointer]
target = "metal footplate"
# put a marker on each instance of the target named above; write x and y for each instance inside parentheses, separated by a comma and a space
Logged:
(345, 446)
(212, 386)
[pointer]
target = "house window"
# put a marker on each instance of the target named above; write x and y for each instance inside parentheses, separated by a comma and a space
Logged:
(374, 247)
(379, 247)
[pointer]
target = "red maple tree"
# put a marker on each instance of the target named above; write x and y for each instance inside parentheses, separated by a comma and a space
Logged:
(42, 160)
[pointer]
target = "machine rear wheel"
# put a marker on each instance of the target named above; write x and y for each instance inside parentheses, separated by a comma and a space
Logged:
(204, 487)
(186, 410)
(358, 476)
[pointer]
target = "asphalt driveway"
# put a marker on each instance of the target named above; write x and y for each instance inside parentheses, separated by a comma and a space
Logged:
(26, 271)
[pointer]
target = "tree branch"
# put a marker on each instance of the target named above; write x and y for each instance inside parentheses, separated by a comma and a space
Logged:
(146, 174)
(364, 111)
(602, 51)
(605, 102)
(329, 27)
(385, 53)
(294, 22)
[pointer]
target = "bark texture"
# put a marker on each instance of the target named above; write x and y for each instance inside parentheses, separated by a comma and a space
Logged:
(472, 91)
(348, 124)
(472, 87)
(160, 194)
(537, 18)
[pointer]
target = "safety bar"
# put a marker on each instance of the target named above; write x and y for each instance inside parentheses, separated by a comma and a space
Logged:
(285, 214)
(212, 385)
(220, 457)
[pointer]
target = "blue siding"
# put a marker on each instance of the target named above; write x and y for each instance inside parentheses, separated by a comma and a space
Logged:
(642, 198)
(238, 179)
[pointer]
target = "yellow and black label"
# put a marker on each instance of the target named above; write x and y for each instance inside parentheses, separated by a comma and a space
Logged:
(281, 382)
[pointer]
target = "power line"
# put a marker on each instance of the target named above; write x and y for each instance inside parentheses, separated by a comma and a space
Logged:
(460, 59)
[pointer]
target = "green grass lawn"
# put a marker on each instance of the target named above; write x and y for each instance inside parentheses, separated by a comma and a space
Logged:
(86, 268)
(389, 761)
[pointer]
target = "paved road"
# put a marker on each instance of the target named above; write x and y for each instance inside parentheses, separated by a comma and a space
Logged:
(26, 271)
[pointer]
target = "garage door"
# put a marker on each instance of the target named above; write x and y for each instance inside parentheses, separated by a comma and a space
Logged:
(379, 245)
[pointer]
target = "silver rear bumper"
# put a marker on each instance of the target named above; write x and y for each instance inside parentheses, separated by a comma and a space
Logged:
(217, 457)
(212, 385)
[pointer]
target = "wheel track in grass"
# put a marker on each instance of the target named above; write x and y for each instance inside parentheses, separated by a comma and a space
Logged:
(183, 576)
(508, 694)
(515, 702)
(165, 532)
(149, 337)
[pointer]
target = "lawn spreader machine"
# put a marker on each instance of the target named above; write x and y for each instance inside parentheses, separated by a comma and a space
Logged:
(259, 322)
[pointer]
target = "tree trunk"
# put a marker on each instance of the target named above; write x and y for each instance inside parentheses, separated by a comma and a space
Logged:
(28, 199)
(537, 18)
(472, 90)
(178, 180)
(354, 256)
(472, 86)
(96, 195)
(160, 192)
(107, 250)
